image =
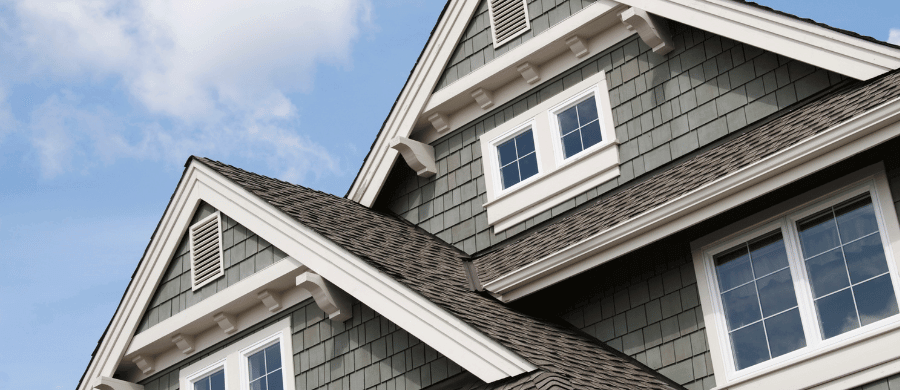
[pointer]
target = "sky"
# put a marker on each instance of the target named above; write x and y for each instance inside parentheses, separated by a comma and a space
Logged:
(103, 101)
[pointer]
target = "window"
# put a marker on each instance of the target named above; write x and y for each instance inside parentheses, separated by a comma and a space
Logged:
(518, 159)
(264, 367)
(554, 151)
(252, 363)
(819, 276)
(214, 381)
(579, 126)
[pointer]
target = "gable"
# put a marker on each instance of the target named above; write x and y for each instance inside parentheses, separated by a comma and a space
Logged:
(127, 354)
(416, 110)
(244, 253)
(665, 109)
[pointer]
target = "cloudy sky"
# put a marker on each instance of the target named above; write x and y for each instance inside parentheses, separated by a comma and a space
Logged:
(102, 102)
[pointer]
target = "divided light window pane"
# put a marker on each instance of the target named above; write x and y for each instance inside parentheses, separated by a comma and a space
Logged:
(215, 381)
(518, 160)
(579, 127)
(757, 293)
(265, 369)
(847, 267)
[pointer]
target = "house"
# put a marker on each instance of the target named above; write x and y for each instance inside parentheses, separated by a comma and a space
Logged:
(567, 194)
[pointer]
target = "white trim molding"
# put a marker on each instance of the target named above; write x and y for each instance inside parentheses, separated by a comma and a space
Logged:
(441, 330)
(107, 383)
(791, 37)
(828, 147)
(558, 179)
(419, 156)
(653, 31)
(332, 300)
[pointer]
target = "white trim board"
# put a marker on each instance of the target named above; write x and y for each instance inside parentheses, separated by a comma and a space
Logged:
(819, 46)
(826, 148)
(450, 336)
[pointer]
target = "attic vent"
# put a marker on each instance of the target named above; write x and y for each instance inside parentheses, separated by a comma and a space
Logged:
(509, 19)
(206, 251)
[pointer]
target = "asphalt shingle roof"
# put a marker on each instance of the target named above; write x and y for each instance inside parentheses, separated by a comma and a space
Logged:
(566, 358)
(748, 148)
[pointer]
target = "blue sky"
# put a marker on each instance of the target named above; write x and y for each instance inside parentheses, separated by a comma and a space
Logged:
(102, 102)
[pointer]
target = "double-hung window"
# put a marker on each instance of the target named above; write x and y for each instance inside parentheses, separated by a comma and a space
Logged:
(578, 125)
(813, 278)
(517, 158)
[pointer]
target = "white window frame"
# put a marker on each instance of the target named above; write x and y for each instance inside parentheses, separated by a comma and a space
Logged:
(558, 179)
(784, 216)
(233, 359)
(495, 156)
(260, 345)
(554, 112)
(205, 372)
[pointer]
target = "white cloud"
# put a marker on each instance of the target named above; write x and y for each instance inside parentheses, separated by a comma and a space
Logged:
(209, 66)
(894, 36)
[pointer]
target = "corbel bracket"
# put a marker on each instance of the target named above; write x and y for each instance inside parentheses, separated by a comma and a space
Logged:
(531, 73)
(653, 30)
(332, 300)
(144, 363)
(440, 122)
(576, 44)
(419, 156)
(107, 383)
(226, 322)
(270, 299)
(184, 343)
(484, 98)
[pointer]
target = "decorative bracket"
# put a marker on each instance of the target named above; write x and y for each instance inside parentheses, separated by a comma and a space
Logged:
(107, 383)
(226, 322)
(484, 98)
(144, 363)
(184, 343)
(576, 44)
(332, 300)
(439, 121)
(419, 156)
(653, 30)
(271, 300)
(531, 73)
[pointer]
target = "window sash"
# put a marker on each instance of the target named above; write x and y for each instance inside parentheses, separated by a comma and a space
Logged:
(787, 224)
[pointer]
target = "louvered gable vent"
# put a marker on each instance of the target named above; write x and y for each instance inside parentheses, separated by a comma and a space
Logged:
(206, 251)
(509, 19)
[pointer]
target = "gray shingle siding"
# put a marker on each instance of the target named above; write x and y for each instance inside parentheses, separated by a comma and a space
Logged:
(663, 108)
(654, 316)
(244, 253)
(477, 46)
(364, 352)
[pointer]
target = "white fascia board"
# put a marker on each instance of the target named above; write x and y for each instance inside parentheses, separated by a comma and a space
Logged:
(826, 148)
(412, 99)
(454, 338)
(790, 37)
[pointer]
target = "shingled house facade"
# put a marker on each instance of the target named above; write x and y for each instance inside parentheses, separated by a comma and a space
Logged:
(567, 194)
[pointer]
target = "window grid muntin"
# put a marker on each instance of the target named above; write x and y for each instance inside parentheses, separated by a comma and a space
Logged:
(208, 378)
(786, 221)
(519, 158)
(266, 372)
(746, 244)
(831, 209)
(580, 126)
